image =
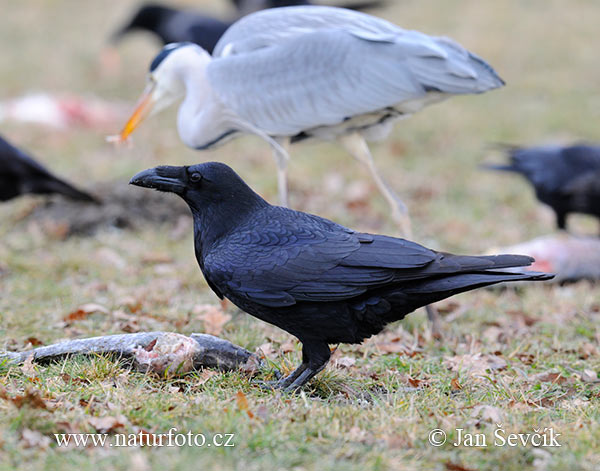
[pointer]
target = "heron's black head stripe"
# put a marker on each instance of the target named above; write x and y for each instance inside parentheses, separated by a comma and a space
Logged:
(165, 51)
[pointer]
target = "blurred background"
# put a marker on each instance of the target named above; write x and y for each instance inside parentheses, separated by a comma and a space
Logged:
(544, 50)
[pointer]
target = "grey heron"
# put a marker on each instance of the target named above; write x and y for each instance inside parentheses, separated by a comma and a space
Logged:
(294, 73)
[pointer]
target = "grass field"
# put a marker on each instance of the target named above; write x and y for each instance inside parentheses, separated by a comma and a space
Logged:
(514, 360)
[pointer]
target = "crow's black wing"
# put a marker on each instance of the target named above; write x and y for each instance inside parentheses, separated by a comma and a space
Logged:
(284, 256)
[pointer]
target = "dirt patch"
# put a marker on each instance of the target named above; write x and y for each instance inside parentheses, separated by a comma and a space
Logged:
(122, 206)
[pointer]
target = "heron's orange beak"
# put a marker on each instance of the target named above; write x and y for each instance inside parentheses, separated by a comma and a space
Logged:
(143, 108)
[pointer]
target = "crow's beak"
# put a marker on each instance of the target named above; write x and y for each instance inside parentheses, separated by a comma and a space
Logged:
(163, 178)
(142, 110)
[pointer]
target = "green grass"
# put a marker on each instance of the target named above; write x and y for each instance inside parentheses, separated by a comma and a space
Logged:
(361, 417)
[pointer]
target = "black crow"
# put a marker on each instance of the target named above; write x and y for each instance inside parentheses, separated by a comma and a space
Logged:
(248, 6)
(319, 281)
(172, 25)
(565, 178)
(20, 174)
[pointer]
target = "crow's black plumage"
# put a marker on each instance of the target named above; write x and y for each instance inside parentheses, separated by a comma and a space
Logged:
(248, 6)
(20, 174)
(565, 178)
(322, 282)
(172, 25)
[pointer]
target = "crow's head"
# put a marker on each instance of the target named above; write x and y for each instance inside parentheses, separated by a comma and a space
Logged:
(218, 197)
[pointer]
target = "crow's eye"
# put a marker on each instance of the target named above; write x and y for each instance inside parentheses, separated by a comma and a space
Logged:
(195, 177)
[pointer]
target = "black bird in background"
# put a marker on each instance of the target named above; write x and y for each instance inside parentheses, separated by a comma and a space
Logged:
(172, 25)
(565, 178)
(244, 7)
(20, 174)
(319, 281)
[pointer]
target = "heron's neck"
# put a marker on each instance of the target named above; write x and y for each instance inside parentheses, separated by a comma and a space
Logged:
(201, 116)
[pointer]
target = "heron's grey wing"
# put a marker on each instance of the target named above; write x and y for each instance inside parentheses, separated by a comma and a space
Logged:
(269, 27)
(324, 77)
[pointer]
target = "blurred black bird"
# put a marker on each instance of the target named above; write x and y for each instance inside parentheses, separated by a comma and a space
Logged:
(245, 7)
(20, 174)
(565, 178)
(322, 282)
(172, 25)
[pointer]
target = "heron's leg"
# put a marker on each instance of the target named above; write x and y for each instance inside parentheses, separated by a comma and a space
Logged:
(281, 158)
(356, 145)
(434, 318)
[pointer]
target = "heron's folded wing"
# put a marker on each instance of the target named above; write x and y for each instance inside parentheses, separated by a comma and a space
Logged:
(323, 77)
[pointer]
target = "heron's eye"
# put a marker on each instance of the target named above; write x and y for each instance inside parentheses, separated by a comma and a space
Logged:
(195, 177)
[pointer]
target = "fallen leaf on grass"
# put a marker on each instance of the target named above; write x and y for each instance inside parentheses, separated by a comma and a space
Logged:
(525, 318)
(34, 439)
(456, 467)
(488, 413)
(34, 341)
(266, 350)
(345, 362)
(205, 375)
(589, 376)
(477, 364)
(84, 311)
(214, 318)
(415, 382)
(107, 424)
(31, 398)
(156, 258)
(455, 385)
(549, 377)
(242, 403)
(287, 347)
(28, 368)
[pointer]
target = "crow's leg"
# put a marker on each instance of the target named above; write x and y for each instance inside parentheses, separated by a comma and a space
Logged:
(356, 145)
(315, 356)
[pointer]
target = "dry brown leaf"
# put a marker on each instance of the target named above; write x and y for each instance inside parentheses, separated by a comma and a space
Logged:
(417, 383)
(549, 377)
(34, 439)
(456, 467)
(108, 256)
(31, 398)
(477, 364)
(34, 341)
(242, 403)
(214, 318)
(107, 424)
(488, 413)
(205, 375)
(523, 317)
(587, 350)
(345, 362)
(84, 311)
(589, 376)
(455, 385)
(28, 368)
(156, 257)
(287, 347)
(266, 350)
